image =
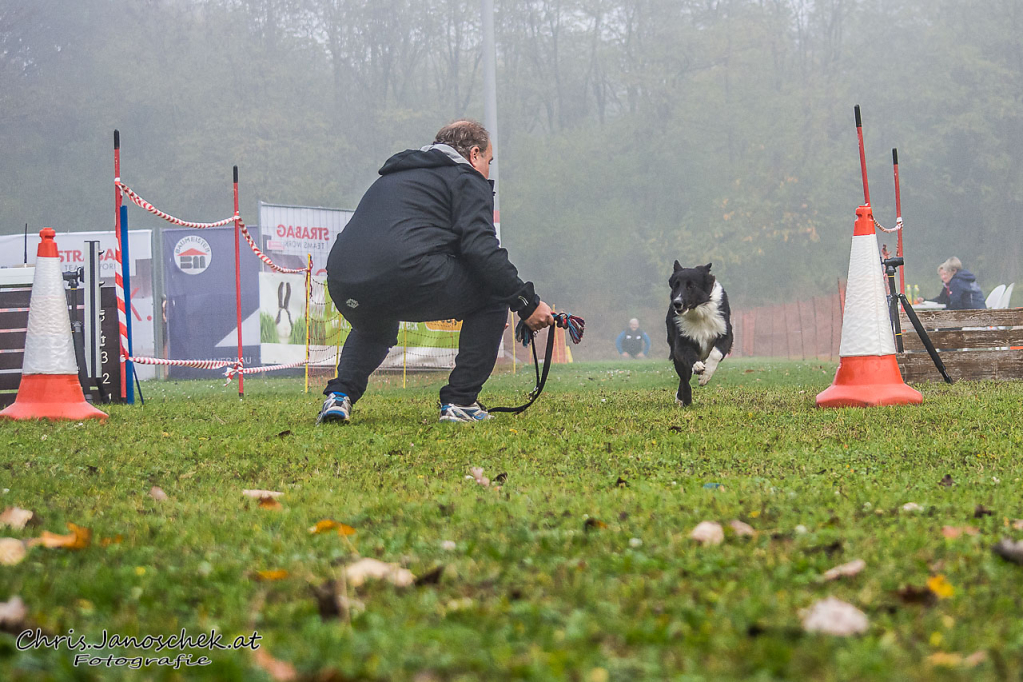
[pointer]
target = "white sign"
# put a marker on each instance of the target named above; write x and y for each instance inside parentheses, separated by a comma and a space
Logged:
(74, 253)
(291, 233)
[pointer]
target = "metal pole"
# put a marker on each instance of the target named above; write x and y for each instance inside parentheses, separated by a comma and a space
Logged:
(118, 281)
(490, 101)
(238, 282)
(863, 156)
(129, 366)
(898, 220)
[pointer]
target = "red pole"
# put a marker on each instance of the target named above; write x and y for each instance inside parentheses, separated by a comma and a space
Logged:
(121, 312)
(238, 281)
(898, 219)
(863, 156)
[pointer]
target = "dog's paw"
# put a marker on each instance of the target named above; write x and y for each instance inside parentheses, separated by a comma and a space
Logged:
(705, 379)
(681, 403)
(698, 367)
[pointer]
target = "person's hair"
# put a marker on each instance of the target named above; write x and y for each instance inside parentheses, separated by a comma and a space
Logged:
(463, 135)
(952, 265)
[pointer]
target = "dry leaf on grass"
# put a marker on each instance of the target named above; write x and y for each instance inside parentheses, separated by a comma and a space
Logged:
(260, 494)
(157, 494)
(12, 551)
(116, 540)
(845, 570)
(708, 533)
(953, 532)
(80, 538)
(1009, 550)
(742, 529)
(835, 617)
(477, 475)
(912, 507)
(12, 615)
(270, 503)
(953, 660)
(940, 587)
(271, 575)
(911, 594)
(15, 518)
(593, 524)
(343, 529)
(279, 671)
(371, 569)
(332, 602)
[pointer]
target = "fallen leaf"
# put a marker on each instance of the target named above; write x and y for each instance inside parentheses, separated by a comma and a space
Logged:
(12, 551)
(325, 525)
(371, 569)
(332, 603)
(708, 533)
(285, 433)
(835, 617)
(80, 538)
(742, 529)
(501, 478)
(270, 503)
(946, 481)
(15, 518)
(621, 483)
(431, 577)
(945, 660)
(911, 507)
(279, 671)
(260, 494)
(157, 494)
(911, 594)
(116, 540)
(271, 575)
(975, 659)
(845, 570)
(981, 511)
(940, 587)
(477, 475)
(12, 615)
(593, 524)
(1009, 550)
(953, 532)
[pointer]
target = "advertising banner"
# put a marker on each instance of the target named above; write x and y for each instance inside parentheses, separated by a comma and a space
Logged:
(199, 283)
(74, 252)
(290, 235)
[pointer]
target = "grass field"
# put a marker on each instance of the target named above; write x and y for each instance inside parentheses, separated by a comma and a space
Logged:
(579, 567)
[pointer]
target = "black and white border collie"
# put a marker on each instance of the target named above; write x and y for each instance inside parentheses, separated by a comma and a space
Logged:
(699, 326)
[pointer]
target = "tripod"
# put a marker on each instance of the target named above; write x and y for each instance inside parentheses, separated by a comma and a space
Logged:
(894, 298)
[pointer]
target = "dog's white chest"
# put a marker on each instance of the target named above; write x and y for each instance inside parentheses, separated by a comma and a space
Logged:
(705, 323)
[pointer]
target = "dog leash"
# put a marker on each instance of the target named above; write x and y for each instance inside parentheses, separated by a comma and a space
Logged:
(523, 334)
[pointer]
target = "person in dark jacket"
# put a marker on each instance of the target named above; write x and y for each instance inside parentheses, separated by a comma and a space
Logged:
(422, 246)
(960, 290)
(633, 342)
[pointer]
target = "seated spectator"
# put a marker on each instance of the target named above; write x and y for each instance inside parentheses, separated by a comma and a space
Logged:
(961, 291)
(633, 341)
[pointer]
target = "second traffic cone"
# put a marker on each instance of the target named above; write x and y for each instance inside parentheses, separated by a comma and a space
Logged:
(868, 373)
(49, 386)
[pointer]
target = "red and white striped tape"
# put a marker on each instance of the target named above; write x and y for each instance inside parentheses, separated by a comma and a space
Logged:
(234, 368)
(143, 204)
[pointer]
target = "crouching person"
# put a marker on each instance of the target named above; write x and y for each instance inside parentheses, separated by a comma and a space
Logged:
(422, 246)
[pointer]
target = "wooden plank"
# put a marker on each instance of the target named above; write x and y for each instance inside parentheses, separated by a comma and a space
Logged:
(964, 365)
(940, 319)
(10, 380)
(837, 308)
(954, 339)
(762, 342)
(737, 332)
(14, 298)
(749, 322)
(11, 360)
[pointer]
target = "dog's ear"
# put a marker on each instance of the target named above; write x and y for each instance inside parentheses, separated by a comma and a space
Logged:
(677, 266)
(706, 267)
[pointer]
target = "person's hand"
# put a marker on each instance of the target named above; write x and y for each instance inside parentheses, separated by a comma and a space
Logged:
(626, 356)
(541, 318)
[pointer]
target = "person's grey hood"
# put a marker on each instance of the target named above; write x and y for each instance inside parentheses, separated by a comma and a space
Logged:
(430, 156)
(450, 151)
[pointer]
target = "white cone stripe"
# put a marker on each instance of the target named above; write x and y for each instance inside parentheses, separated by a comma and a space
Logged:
(866, 327)
(49, 348)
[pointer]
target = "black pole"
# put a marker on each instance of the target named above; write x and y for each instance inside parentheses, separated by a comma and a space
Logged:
(890, 264)
(26, 245)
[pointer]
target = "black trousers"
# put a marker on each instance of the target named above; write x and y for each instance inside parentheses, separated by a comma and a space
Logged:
(375, 316)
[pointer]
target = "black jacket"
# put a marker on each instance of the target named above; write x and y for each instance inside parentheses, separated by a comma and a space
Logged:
(962, 293)
(428, 206)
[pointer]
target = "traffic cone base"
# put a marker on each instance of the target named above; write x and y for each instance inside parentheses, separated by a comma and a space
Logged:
(51, 396)
(868, 381)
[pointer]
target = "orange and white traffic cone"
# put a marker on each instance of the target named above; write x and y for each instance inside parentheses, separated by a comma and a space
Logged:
(868, 373)
(49, 387)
